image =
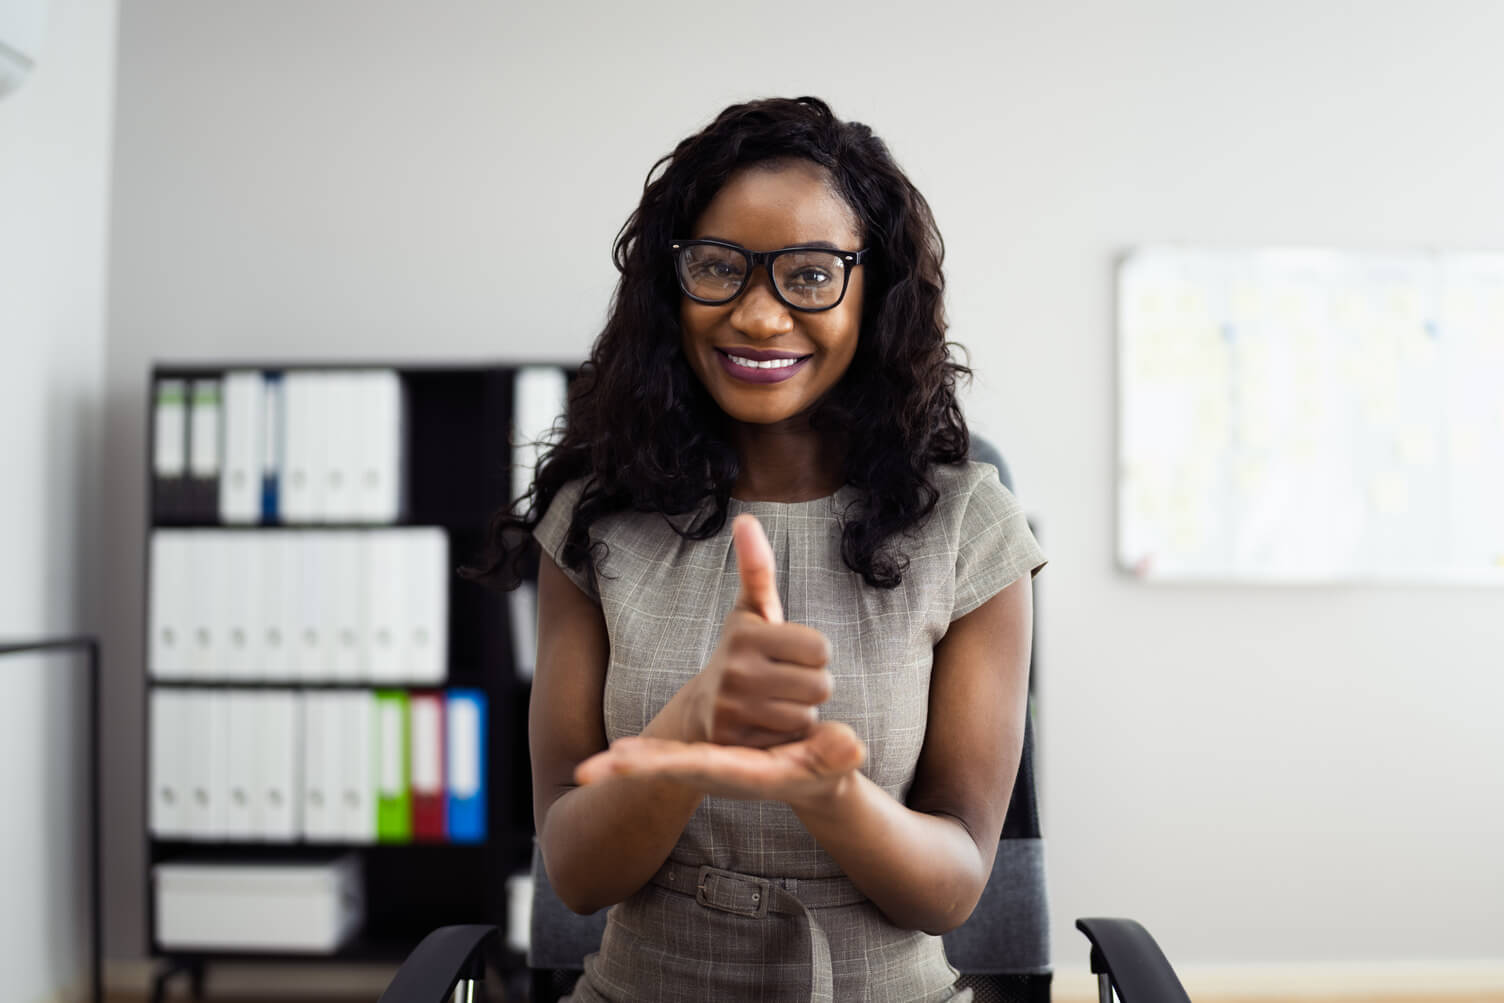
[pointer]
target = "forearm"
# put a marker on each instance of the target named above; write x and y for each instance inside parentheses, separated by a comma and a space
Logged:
(602, 842)
(925, 872)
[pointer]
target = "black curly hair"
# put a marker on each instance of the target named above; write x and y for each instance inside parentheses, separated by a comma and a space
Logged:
(646, 436)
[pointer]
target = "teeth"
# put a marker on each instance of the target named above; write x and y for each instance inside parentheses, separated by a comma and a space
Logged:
(754, 364)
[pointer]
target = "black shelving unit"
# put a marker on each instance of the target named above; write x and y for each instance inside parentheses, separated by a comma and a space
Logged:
(458, 430)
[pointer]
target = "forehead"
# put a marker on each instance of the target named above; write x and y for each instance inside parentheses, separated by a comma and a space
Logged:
(768, 206)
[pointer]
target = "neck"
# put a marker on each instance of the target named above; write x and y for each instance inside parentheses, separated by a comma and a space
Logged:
(786, 463)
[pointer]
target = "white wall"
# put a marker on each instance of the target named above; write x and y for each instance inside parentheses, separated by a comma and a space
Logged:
(1261, 775)
(54, 181)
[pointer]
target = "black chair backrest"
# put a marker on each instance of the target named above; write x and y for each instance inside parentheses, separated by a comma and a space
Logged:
(1003, 949)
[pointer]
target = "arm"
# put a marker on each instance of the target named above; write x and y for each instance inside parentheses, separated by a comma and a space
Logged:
(603, 842)
(925, 864)
(639, 818)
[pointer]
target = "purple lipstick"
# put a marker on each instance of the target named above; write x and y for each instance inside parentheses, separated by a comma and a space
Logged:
(755, 365)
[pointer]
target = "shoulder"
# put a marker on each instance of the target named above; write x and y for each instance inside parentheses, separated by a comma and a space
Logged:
(567, 498)
(971, 487)
(554, 522)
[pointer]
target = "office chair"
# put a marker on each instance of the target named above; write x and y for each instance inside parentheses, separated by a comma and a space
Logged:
(1002, 951)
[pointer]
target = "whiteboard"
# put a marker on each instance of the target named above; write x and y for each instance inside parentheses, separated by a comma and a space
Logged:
(1311, 416)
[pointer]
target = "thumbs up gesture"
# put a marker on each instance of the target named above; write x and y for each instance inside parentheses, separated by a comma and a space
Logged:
(752, 727)
(766, 678)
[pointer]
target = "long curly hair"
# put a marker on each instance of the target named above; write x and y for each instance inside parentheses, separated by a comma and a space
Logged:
(646, 436)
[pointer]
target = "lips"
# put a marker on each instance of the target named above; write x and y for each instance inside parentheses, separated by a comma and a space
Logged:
(760, 365)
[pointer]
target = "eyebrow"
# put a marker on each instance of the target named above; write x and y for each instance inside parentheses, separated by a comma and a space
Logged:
(825, 244)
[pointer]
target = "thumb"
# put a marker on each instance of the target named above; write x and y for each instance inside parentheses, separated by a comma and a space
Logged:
(830, 749)
(754, 564)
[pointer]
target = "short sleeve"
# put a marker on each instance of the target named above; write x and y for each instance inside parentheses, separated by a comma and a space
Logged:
(553, 528)
(995, 545)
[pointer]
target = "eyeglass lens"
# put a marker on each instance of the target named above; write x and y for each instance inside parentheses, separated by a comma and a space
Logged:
(810, 279)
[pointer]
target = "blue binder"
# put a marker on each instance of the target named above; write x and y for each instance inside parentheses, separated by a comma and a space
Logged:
(465, 733)
(272, 445)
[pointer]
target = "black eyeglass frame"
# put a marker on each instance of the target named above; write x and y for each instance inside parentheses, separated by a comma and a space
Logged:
(766, 259)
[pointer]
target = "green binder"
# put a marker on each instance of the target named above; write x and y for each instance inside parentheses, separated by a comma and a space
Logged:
(394, 789)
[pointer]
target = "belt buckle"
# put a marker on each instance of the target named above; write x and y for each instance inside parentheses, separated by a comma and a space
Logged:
(728, 891)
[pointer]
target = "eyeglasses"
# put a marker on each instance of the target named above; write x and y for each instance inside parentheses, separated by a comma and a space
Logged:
(811, 279)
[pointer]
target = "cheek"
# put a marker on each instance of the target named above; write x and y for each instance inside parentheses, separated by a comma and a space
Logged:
(691, 323)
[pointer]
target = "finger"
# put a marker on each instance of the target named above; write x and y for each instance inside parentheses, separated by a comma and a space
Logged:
(754, 564)
(831, 748)
(794, 643)
(770, 717)
(762, 679)
(762, 738)
(699, 764)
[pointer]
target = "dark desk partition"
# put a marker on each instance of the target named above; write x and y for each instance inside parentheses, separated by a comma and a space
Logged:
(68, 674)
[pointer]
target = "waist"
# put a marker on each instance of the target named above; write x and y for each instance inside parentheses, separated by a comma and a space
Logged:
(753, 895)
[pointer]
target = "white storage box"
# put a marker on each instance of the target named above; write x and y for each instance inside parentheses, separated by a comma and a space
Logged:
(309, 908)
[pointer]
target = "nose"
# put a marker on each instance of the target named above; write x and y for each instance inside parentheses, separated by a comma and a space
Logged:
(759, 313)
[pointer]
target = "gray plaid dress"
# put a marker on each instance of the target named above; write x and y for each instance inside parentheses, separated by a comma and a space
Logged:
(748, 906)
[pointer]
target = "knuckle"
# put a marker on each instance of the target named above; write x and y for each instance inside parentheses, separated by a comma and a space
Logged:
(739, 671)
(824, 685)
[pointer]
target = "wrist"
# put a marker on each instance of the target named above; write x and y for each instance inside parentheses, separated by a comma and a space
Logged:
(831, 801)
(678, 718)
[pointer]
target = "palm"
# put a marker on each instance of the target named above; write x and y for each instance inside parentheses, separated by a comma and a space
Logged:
(790, 772)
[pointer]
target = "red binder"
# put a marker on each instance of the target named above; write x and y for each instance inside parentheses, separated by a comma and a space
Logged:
(430, 795)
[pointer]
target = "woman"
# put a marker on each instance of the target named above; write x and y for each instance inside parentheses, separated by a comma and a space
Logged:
(784, 625)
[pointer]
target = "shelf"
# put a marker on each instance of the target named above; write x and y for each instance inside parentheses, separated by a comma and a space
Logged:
(456, 442)
(188, 849)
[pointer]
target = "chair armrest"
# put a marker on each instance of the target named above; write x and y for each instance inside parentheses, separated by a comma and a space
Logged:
(1123, 950)
(442, 959)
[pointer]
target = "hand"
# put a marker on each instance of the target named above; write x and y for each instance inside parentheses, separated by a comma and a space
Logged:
(797, 772)
(764, 682)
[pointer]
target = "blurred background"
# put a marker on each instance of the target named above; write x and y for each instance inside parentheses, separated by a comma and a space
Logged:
(1291, 786)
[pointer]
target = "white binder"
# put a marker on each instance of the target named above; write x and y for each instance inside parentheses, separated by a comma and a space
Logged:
(341, 433)
(279, 603)
(168, 723)
(244, 400)
(243, 737)
(387, 611)
(377, 447)
(207, 762)
(355, 813)
(343, 600)
(168, 646)
(522, 618)
(202, 607)
(169, 455)
(303, 447)
(321, 759)
(539, 396)
(426, 637)
(238, 600)
(279, 766)
(311, 647)
(203, 429)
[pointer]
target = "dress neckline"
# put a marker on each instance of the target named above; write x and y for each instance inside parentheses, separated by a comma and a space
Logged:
(739, 505)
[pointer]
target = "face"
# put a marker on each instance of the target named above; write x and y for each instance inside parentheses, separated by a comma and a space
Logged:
(764, 208)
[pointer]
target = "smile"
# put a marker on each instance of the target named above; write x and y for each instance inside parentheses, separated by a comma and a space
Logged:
(774, 369)
(754, 364)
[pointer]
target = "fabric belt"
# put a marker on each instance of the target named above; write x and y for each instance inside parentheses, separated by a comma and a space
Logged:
(754, 897)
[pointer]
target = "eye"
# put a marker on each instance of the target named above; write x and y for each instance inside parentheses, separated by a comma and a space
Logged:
(810, 276)
(716, 269)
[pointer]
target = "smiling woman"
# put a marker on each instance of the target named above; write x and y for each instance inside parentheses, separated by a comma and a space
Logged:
(775, 341)
(783, 623)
